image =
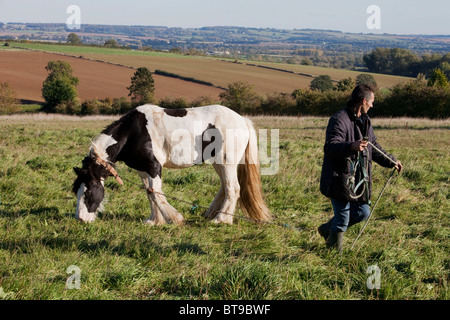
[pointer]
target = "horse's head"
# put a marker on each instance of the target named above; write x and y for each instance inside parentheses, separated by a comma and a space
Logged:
(89, 188)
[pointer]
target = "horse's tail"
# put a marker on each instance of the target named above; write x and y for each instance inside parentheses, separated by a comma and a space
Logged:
(251, 194)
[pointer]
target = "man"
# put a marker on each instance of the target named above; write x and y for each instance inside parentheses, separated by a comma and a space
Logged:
(346, 176)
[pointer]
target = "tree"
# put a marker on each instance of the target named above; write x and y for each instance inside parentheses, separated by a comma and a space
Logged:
(367, 79)
(404, 62)
(321, 83)
(60, 85)
(60, 69)
(73, 39)
(111, 43)
(345, 84)
(142, 87)
(378, 60)
(58, 91)
(306, 62)
(239, 96)
(8, 101)
(438, 79)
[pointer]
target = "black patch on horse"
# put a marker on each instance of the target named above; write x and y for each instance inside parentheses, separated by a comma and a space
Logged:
(134, 144)
(208, 137)
(93, 196)
(90, 171)
(176, 112)
(91, 174)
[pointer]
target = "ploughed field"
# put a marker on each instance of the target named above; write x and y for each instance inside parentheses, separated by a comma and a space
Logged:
(25, 71)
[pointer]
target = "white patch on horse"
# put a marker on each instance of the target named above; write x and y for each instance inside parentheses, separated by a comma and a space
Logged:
(182, 153)
(154, 115)
(236, 142)
(82, 212)
(101, 143)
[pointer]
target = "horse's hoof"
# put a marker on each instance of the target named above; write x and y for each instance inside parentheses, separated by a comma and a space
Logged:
(87, 217)
(149, 222)
(226, 221)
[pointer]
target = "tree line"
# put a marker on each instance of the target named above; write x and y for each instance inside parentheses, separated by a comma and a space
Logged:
(403, 62)
(421, 97)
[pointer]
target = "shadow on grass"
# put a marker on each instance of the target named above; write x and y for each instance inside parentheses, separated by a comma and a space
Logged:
(183, 248)
(44, 211)
(141, 250)
(133, 248)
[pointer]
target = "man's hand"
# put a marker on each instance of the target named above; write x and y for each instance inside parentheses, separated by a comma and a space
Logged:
(399, 166)
(359, 145)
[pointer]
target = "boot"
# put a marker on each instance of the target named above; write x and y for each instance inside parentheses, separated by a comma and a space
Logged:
(324, 231)
(335, 240)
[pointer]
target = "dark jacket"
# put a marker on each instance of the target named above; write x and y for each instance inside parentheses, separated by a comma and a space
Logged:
(343, 129)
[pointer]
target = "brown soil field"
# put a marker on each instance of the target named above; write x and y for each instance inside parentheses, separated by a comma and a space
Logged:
(218, 72)
(25, 71)
(221, 73)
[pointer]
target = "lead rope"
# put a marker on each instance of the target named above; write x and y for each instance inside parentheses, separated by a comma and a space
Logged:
(194, 205)
(379, 196)
(351, 181)
(373, 208)
(382, 153)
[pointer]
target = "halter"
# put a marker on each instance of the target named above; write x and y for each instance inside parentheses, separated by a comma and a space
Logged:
(107, 166)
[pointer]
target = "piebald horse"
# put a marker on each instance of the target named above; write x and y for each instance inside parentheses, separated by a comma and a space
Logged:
(149, 138)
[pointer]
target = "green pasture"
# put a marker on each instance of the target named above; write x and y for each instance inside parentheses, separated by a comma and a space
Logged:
(119, 257)
(80, 50)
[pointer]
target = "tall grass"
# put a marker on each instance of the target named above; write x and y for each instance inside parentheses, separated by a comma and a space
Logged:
(121, 258)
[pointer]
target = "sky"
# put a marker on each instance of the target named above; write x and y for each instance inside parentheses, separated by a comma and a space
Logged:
(394, 16)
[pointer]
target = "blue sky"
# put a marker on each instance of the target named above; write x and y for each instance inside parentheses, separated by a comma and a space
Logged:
(400, 17)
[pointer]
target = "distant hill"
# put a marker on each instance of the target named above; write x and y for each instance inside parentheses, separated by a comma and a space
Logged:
(320, 47)
(321, 39)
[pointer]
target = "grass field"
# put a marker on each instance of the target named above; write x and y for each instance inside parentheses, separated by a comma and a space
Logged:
(121, 258)
(214, 70)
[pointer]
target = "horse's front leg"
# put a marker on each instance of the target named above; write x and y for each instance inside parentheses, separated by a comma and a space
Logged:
(156, 218)
(161, 211)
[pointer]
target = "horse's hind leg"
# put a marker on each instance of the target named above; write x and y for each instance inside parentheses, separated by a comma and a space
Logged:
(162, 211)
(219, 198)
(231, 188)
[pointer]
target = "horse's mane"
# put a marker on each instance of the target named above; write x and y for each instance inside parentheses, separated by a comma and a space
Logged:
(116, 124)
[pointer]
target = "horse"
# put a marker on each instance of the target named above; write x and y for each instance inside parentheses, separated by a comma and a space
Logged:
(149, 138)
